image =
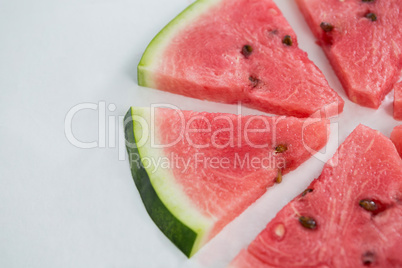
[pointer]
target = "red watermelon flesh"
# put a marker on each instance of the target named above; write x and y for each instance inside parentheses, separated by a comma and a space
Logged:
(398, 101)
(224, 191)
(362, 40)
(351, 216)
(203, 54)
(396, 137)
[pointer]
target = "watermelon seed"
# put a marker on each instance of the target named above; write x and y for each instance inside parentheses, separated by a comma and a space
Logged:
(281, 148)
(246, 51)
(306, 192)
(287, 40)
(368, 205)
(308, 222)
(371, 16)
(278, 178)
(254, 81)
(367, 1)
(368, 258)
(327, 27)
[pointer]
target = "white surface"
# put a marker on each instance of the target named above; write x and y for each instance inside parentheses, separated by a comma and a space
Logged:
(61, 206)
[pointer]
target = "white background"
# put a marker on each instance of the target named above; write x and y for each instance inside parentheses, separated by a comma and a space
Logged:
(61, 206)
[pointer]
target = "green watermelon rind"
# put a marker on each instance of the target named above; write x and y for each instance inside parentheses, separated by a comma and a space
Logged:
(158, 44)
(177, 219)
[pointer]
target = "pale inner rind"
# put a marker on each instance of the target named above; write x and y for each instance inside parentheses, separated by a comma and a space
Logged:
(154, 52)
(164, 184)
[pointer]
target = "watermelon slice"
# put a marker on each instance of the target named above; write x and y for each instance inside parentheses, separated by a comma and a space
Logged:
(396, 137)
(398, 101)
(362, 42)
(197, 171)
(234, 51)
(349, 217)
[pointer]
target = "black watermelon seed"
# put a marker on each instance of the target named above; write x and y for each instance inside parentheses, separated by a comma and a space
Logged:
(306, 192)
(368, 258)
(368, 205)
(281, 148)
(278, 178)
(254, 81)
(287, 40)
(374, 206)
(371, 16)
(367, 1)
(327, 27)
(246, 51)
(308, 222)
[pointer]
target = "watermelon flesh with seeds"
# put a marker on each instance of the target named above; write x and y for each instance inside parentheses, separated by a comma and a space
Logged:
(234, 51)
(197, 171)
(398, 101)
(396, 137)
(349, 217)
(362, 41)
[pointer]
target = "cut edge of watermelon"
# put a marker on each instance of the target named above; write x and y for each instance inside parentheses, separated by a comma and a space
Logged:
(164, 201)
(155, 49)
(398, 101)
(396, 138)
(245, 260)
(359, 96)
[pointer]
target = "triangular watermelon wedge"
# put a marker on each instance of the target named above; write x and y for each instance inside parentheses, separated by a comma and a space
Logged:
(234, 51)
(211, 167)
(363, 42)
(351, 216)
